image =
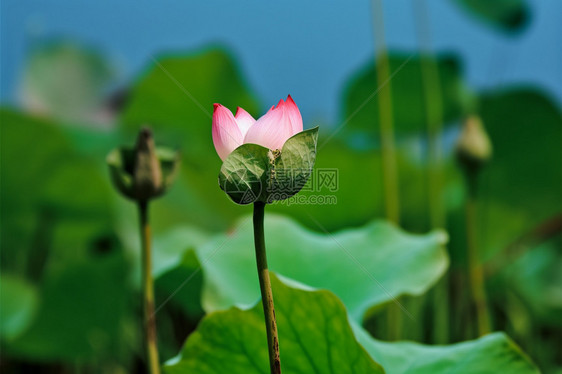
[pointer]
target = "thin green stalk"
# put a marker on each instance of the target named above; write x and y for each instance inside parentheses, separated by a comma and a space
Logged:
(149, 320)
(432, 96)
(266, 292)
(388, 151)
(475, 270)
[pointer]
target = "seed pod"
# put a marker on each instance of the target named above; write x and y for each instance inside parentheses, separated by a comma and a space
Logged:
(145, 171)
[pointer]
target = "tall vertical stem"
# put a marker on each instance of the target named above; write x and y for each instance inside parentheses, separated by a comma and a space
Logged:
(266, 292)
(388, 151)
(149, 322)
(475, 271)
(432, 97)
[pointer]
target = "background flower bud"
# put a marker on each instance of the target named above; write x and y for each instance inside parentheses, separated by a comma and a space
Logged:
(473, 147)
(145, 171)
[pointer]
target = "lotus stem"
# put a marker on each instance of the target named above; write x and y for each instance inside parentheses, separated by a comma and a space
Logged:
(149, 319)
(432, 96)
(388, 151)
(475, 270)
(265, 287)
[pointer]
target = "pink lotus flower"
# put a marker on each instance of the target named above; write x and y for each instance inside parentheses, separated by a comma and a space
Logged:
(271, 130)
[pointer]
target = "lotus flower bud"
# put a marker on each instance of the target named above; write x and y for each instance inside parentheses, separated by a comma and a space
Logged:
(143, 172)
(147, 173)
(267, 159)
(473, 146)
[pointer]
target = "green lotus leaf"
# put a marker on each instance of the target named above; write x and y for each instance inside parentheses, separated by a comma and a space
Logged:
(507, 15)
(377, 262)
(244, 173)
(490, 354)
(293, 167)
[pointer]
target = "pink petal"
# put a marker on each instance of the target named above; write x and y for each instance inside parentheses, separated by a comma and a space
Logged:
(226, 134)
(244, 120)
(271, 130)
(294, 115)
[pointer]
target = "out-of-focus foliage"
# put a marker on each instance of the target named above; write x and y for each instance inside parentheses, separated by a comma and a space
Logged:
(18, 304)
(521, 185)
(57, 230)
(177, 270)
(361, 106)
(507, 15)
(535, 278)
(82, 312)
(54, 200)
(68, 83)
(530, 294)
(171, 246)
(346, 177)
(182, 285)
(177, 94)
